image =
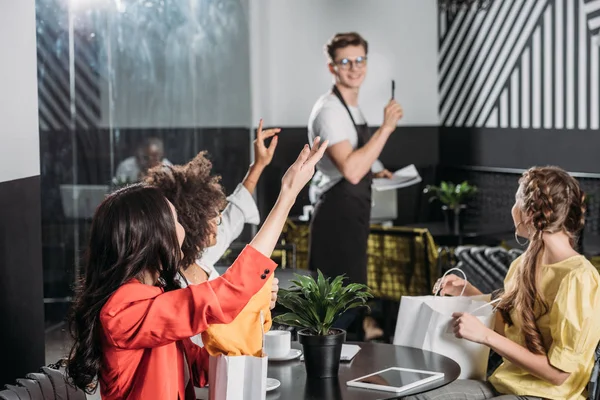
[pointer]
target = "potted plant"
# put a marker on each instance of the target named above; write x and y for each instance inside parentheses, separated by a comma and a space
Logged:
(453, 197)
(314, 306)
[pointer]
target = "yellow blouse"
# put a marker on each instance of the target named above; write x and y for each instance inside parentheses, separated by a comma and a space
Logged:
(570, 330)
(242, 336)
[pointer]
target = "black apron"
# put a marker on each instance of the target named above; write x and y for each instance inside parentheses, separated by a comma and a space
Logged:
(339, 229)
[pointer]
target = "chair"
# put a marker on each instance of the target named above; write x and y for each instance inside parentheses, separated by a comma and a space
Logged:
(48, 384)
(485, 267)
(594, 384)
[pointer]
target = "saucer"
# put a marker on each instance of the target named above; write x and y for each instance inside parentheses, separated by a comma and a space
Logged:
(272, 384)
(294, 353)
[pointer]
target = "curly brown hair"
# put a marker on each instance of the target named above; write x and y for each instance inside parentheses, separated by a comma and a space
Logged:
(197, 196)
(550, 201)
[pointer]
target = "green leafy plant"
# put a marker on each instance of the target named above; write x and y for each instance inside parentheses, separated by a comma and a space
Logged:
(316, 305)
(450, 194)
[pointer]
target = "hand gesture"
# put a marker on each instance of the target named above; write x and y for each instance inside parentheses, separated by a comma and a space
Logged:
(302, 170)
(392, 113)
(264, 155)
(274, 290)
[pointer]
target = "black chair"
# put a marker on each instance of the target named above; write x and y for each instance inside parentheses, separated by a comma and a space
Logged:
(594, 384)
(485, 267)
(48, 384)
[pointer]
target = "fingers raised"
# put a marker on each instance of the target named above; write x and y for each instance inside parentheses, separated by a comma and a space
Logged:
(318, 150)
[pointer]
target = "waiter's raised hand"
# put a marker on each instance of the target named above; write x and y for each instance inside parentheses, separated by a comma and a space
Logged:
(300, 172)
(392, 113)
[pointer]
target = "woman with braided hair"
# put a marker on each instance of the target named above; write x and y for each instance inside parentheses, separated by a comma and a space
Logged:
(549, 321)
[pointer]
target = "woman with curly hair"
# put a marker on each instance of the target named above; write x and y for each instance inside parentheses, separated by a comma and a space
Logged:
(131, 322)
(190, 187)
(549, 321)
(209, 233)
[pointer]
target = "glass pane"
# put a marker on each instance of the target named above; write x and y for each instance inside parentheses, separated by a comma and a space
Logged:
(124, 84)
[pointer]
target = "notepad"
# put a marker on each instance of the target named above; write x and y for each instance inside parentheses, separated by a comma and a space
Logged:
(349, 351)
(404, 177)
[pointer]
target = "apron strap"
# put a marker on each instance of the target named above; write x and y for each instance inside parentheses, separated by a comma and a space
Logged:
(338, 94)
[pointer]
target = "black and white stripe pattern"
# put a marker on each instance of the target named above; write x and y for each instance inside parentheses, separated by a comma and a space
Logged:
(592, 10)
(521, 64)
(54, 91)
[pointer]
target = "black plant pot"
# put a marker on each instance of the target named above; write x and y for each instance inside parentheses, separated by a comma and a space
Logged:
(454, 219)
(322, 353)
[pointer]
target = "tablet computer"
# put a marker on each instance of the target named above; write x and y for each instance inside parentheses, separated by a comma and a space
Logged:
(395, 379)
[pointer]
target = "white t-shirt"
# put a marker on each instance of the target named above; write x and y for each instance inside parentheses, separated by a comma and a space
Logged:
(330, 120)
(128, 171)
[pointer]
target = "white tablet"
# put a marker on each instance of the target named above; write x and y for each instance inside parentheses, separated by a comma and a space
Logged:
(395, 379)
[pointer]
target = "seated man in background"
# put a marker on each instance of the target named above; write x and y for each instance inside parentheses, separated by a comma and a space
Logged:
(148, 155)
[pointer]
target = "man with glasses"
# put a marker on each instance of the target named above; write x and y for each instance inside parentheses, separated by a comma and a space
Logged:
(340, 224)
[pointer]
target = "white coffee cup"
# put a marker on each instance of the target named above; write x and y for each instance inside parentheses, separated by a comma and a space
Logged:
(278, 343)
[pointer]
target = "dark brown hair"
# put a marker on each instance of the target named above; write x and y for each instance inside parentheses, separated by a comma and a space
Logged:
(133, 232)
(550, 201)
(197, 196)
(342, 40)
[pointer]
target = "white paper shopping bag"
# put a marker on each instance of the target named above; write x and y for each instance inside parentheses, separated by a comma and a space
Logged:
(425, 322)
(237, 378)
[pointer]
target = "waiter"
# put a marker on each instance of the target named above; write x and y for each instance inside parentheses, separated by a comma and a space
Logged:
(339, 227)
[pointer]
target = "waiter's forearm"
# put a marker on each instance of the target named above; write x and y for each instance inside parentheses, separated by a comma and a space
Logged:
(359, 162)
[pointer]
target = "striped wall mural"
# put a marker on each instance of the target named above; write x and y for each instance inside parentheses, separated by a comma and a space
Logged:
(592, 8)
(521, 64)
(55, 88)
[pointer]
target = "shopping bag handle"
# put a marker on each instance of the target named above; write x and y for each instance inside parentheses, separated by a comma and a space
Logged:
(491, 303)
(437, 289)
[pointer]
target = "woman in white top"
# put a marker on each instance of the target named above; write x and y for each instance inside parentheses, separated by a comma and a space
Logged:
(189, 187)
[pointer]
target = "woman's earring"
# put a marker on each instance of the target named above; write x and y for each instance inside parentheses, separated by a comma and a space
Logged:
(517, 236)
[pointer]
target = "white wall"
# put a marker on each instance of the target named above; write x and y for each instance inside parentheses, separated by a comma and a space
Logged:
(19, 151)
(289, 69)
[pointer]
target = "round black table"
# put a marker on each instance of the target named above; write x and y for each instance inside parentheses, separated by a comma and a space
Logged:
(371, 358)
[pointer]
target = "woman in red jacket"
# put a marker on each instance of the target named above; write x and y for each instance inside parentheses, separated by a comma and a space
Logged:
(131, 322)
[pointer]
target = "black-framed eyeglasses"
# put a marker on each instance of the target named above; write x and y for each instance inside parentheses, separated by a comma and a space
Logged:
(219, 219)
(346, 63)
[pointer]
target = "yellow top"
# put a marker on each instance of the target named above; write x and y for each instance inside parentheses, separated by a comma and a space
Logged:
(570, 330)
(242, 336)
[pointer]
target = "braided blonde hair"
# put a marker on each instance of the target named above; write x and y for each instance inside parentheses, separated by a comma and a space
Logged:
(550, 201)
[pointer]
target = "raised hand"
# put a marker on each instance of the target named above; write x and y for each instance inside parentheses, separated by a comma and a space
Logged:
(302, 170)
(274, 291)
(264, 155)
(392, 113)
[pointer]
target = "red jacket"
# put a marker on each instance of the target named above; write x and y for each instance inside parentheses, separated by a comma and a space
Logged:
(145, 332)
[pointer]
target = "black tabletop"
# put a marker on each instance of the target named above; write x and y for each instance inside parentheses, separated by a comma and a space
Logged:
(371, 358)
